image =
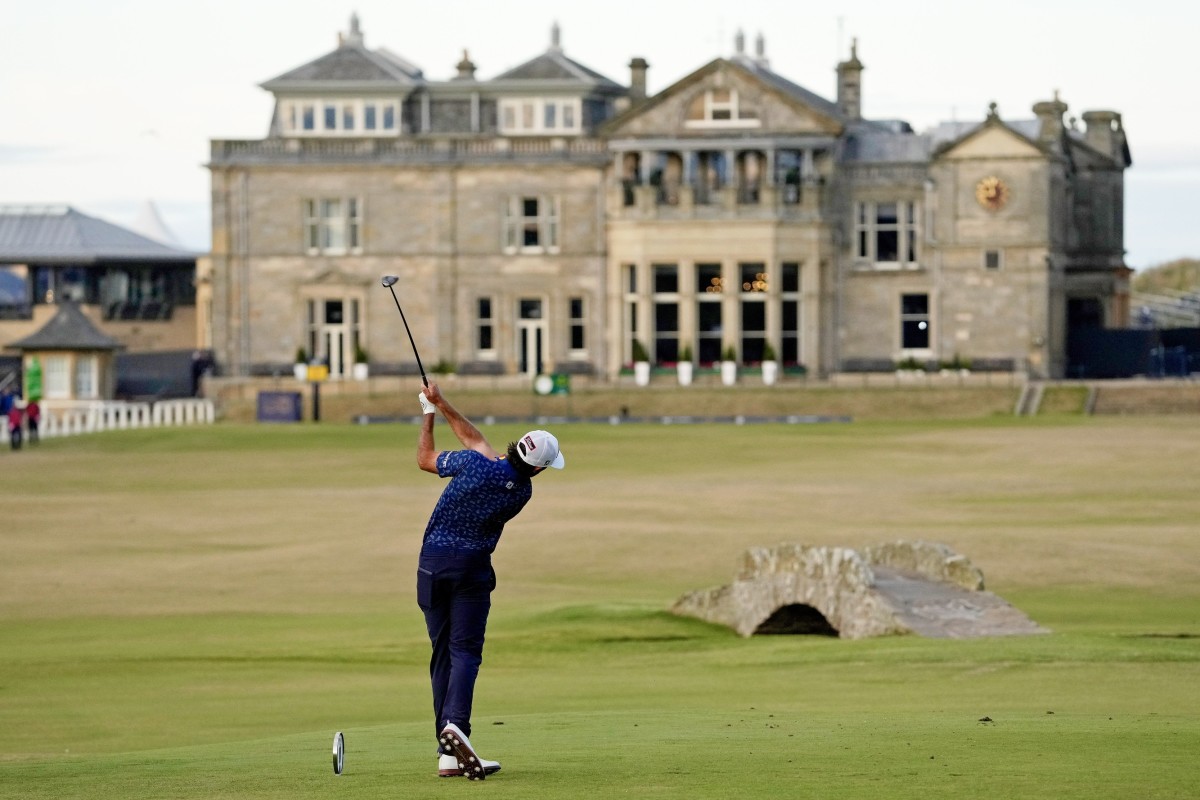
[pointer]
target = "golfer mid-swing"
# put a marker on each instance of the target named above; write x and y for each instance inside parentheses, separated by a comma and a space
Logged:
(454, 573)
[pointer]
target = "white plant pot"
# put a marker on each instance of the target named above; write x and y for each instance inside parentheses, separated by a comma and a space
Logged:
(685, 369)
(770, 372)
(300, 371)
(641, 373)
(729, 372)
(361, 371)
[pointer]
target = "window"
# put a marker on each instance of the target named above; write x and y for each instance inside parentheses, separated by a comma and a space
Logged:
(56, 377)
(531, 225)
(754, 279)
(666, 312)
(630, 325)
(708, 331)
(754, 311)
(333, 225)
(578, 340)
(666, 279)
(666, 332)
(85, 377)
(145, 292)
(16, 298)
(484, 341)
(789, 166)
(534, 116)
(720, 108)
(909, 229)
(754, 330)
(991, 259)
(886, 234)
(914, 321)
(709, 288)
(789, 306)
(341, 117)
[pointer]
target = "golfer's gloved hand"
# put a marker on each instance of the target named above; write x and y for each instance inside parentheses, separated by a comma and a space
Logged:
(426, 406)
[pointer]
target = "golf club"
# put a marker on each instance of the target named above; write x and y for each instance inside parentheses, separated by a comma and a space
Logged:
(389, 281)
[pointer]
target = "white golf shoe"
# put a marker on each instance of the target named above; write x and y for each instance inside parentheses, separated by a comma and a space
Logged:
(468, 762)
(448, 766)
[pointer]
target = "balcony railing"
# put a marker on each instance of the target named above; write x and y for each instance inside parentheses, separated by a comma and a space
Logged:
(230, 152)
(671, 200)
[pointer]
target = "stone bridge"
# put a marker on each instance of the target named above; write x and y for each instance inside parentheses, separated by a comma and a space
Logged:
(897, 588)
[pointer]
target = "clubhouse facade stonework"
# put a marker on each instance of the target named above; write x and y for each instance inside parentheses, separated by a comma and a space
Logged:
(546, 219)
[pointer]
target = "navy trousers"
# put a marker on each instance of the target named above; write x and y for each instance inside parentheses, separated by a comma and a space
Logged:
(455, 593)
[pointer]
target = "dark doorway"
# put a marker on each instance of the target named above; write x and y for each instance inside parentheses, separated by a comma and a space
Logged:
(1084, 312)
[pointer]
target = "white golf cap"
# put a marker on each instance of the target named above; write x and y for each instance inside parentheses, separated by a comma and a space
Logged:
(540, 449)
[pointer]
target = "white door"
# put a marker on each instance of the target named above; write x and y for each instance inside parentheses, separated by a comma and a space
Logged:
(331, 336)
(335, 342)
(531, 337)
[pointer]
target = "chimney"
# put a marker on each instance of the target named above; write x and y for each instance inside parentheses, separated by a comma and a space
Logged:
(466, 68)
(1102, 131)
(760, 51)
(555, 38)
(354, 37)
(849, 87)
(1050, 119)
(637, 79)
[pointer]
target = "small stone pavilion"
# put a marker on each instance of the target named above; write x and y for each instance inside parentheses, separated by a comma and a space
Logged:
(68, 359)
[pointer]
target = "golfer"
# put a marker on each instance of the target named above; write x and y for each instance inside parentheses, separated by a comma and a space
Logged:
(455, 578)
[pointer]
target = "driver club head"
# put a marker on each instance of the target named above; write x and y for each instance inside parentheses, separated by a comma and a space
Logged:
(389, 280)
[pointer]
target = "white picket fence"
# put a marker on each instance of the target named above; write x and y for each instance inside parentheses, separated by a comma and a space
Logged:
(73, 418)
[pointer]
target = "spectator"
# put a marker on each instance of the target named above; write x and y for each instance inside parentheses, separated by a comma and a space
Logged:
(14, 425)
(33, 416)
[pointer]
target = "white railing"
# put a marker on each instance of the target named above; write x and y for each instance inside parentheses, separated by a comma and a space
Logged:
(70, 418)
(1166, 308)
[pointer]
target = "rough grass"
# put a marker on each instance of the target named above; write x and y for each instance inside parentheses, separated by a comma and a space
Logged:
(193, 613)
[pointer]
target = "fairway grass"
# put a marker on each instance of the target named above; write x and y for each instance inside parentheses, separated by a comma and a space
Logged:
(194, 613)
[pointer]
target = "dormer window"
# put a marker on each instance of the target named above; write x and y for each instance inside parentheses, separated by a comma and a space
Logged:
(721, 108)
(540, 116)
(345, 117)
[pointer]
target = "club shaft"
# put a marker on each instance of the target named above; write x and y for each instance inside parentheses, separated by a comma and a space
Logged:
(424, 380)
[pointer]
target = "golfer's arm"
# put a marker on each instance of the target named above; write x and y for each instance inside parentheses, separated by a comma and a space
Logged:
(426, 454)
(465, 430)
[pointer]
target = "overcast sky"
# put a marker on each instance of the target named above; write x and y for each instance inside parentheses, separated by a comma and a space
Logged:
(108, 105)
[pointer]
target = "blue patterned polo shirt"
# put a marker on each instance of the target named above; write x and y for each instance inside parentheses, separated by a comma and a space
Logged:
(482, 495)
